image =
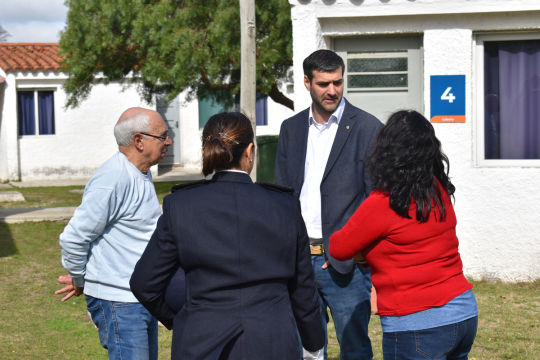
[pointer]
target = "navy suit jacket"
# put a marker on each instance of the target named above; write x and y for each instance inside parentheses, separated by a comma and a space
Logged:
(345, 183)
(244, 249)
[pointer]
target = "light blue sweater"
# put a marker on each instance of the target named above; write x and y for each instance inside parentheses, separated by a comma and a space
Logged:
(110, 229)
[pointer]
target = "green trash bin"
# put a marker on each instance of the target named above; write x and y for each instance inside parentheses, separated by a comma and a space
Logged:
(266, 153)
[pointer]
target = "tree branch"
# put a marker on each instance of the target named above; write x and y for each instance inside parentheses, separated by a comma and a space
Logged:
(210, 86)
(278, 97)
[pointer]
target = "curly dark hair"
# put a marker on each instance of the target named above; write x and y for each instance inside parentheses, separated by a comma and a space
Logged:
(406, 162)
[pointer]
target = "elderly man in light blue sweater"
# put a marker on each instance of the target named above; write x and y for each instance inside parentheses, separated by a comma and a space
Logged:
(109, 232)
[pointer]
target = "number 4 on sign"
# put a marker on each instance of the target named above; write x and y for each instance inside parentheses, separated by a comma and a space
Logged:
(448, 95)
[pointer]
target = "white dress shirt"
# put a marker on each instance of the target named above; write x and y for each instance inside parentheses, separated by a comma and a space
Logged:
(320, 140)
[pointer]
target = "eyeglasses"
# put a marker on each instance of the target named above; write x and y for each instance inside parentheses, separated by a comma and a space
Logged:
(164, 139)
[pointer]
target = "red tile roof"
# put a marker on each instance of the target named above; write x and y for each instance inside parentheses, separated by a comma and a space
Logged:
(29, 56)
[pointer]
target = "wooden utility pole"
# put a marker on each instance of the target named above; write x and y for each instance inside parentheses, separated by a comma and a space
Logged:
(248, 70)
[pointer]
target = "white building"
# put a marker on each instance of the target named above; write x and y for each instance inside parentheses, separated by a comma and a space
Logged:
(394, 51)
(42, 140)
(397, 53)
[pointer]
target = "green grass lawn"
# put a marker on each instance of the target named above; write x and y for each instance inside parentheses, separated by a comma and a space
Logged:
(34, 324)
(59, 196)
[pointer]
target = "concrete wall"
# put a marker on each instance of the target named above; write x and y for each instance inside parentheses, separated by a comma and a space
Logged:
(3, 132)
(9, 145)
(277, 113)
(190, 136)
(497, 208)
(369, 8)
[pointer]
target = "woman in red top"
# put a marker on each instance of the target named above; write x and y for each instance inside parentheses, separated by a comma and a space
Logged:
(406, 231)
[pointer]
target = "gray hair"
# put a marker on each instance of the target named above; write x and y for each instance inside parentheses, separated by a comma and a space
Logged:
(125, 130)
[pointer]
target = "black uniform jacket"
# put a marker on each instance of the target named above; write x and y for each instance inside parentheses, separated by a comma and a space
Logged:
(244, 249)
(345, 183)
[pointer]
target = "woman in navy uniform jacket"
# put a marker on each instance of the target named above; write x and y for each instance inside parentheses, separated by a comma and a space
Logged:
(244, 249)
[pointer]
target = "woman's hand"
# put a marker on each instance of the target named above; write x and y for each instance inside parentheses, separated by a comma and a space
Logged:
(358, 257)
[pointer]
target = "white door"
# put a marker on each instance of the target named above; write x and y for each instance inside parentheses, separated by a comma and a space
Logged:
(171, 114)
(383, 74)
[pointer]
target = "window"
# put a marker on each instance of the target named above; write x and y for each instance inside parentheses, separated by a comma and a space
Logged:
(30, 119)
(377, 71)
(508, 101)
(210, 106)
(207, 108)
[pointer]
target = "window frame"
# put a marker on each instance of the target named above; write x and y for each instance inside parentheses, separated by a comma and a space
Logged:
(480, 38)
(35, 90)
(395, 54)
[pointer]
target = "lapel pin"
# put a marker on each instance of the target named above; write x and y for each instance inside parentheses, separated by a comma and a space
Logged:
(347, 127)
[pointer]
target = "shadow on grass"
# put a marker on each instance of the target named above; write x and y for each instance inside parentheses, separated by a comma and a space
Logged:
(164, 188)
(7, 244)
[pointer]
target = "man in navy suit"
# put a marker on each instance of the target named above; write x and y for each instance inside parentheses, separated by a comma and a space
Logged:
(321, 154)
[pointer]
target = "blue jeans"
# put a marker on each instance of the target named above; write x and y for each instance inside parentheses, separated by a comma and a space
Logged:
(126, 330)
(349, 298)
(449, 342)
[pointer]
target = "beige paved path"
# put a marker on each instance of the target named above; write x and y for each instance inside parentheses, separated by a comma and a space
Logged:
(174, 174)
(47, 183)
(12, 216)
(179, 174)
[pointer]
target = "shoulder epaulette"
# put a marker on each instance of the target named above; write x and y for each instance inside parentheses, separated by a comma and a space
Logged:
(188, 185)
(274, 187)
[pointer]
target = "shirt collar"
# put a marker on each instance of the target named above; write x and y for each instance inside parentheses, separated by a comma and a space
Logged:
(336, 115)
(237, 171)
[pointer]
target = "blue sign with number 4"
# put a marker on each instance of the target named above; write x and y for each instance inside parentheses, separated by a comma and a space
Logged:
(447, 98)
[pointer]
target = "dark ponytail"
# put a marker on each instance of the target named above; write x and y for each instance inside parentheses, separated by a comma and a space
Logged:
(225, 138)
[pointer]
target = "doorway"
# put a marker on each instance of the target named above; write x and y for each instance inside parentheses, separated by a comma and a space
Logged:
(383, 74)
(171, 114)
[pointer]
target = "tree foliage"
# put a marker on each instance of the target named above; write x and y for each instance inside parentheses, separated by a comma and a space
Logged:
(172, 45)
(3, 34)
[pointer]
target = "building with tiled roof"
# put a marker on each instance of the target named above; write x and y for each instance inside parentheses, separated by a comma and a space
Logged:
(39, 138)
(42, 140)
(29, 56)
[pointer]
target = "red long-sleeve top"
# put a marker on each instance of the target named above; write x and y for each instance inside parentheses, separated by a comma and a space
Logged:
(414, 266)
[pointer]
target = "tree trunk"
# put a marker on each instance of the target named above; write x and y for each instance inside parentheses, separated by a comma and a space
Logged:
(278, 97)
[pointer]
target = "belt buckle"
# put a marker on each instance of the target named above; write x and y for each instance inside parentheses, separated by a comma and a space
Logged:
(316, 249)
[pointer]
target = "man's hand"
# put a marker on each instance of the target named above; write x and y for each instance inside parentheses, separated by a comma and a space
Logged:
(326, 264)
(70, 288)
